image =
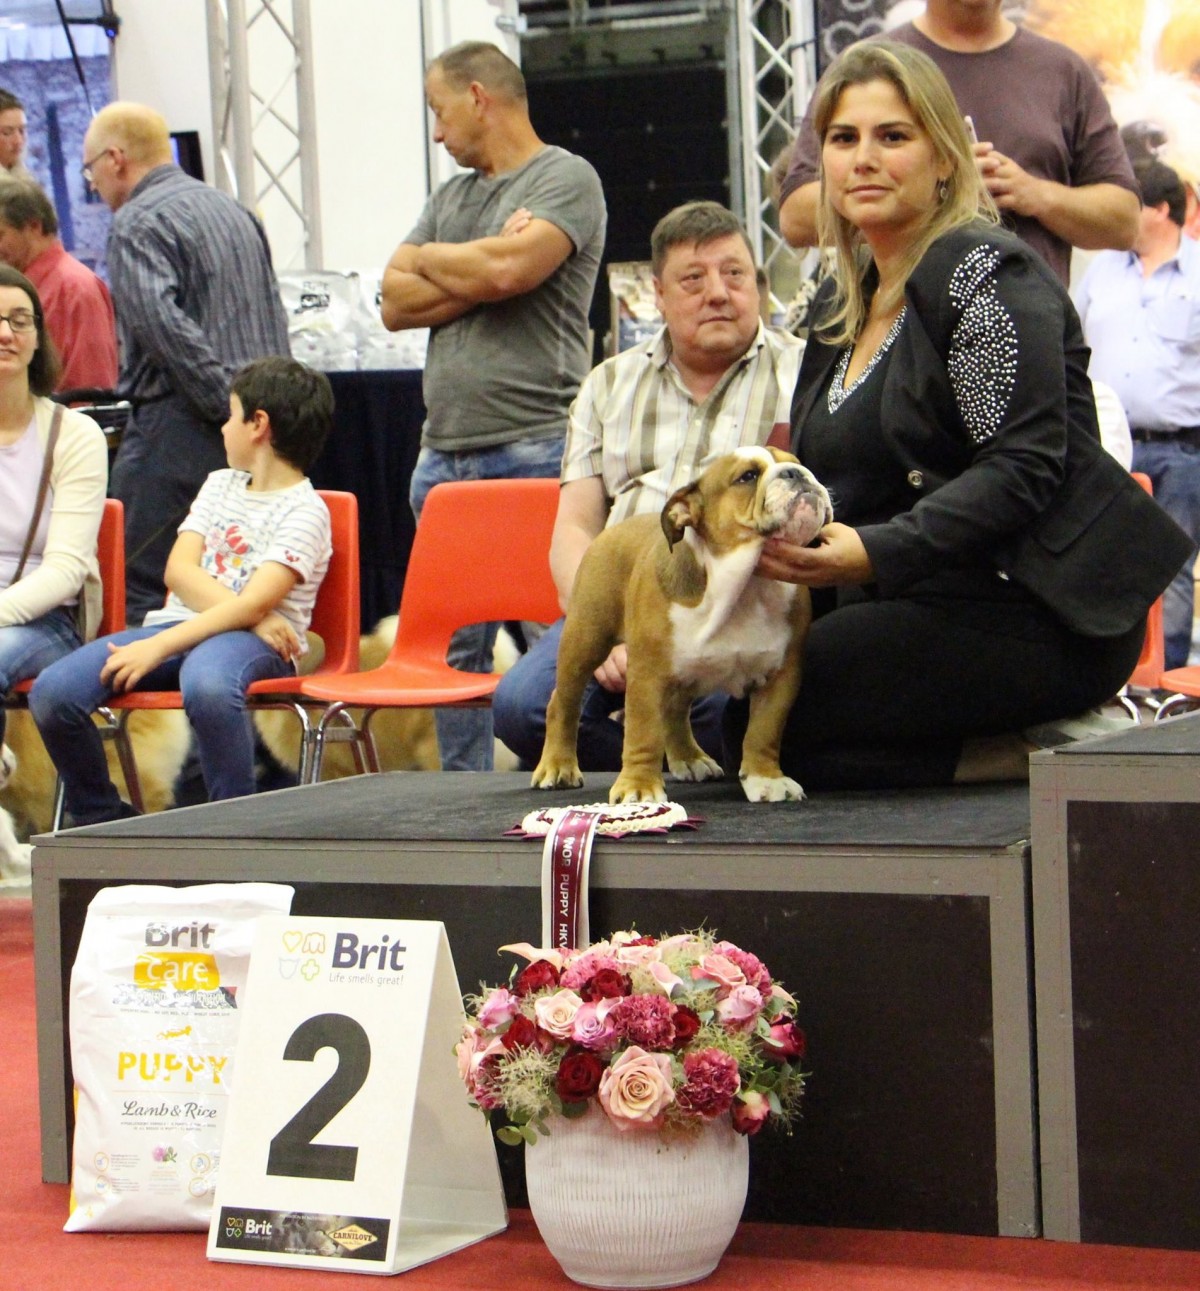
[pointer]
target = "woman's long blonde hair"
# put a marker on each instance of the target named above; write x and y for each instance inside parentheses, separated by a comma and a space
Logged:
(928, 97)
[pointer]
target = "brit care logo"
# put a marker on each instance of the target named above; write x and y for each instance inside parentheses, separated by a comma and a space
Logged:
(239, 1226)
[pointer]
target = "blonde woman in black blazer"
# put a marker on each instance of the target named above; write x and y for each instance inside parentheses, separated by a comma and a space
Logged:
(990, 566)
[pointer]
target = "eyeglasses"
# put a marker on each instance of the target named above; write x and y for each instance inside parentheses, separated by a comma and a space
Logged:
(20, 320)
(86, 169)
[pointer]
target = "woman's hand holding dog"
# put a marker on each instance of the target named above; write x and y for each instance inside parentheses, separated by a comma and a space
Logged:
(838, 559)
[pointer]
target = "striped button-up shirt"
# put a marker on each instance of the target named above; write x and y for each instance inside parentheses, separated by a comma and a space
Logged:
(634, 423)
(195, 294)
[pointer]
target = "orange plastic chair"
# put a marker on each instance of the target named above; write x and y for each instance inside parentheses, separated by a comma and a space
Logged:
(481, 555)
(110, 556)
(335, 619)
(1148, 671)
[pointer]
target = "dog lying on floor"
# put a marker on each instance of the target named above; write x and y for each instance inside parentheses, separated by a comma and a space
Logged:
(160, 744)
(681, 591)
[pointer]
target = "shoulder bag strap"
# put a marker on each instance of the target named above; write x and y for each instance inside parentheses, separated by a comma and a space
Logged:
(43, 489)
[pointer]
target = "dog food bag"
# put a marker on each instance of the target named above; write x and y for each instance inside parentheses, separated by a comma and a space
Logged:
(156, 994)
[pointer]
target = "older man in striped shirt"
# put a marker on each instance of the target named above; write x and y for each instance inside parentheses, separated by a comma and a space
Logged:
(643, 424)
(196, 298)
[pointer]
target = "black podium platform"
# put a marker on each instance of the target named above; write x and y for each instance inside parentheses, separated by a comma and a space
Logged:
(898, 920)
(1116, 883)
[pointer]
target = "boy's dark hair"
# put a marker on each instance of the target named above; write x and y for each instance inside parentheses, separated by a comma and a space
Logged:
(45, 367)
(8, 101)
(298, 400)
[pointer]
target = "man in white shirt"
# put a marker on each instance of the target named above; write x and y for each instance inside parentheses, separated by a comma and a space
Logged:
(641, 427)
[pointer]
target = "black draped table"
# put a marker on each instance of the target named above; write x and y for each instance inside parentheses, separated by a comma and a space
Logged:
(371, 453)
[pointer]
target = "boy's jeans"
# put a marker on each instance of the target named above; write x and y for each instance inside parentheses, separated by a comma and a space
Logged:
(213, 677)
(465, 736)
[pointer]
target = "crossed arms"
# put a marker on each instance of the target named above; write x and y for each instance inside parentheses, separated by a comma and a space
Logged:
(437, 282)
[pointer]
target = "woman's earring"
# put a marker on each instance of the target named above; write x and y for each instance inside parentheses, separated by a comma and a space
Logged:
(943, 190)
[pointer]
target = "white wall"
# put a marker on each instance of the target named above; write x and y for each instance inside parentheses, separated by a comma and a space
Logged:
(372, 124)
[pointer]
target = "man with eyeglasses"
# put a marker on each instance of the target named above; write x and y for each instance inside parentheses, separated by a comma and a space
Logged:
(76, 304)
(196, 299)
(12, 137)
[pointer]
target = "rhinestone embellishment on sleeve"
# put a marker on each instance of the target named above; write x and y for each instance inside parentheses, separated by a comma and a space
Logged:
(983, 349)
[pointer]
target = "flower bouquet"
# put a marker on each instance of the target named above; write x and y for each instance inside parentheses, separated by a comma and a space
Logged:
(634, 1070)
(663, 1033)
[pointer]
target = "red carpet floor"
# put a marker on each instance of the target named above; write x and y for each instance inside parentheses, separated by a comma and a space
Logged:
(39, 1256)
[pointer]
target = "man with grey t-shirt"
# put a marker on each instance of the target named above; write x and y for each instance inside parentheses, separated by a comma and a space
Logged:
(501, 267)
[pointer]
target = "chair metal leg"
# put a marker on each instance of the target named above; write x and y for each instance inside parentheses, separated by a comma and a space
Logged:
(1175, 705)
(60, 805)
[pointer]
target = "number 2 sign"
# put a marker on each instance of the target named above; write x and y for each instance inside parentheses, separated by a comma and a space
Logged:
(349, 1141)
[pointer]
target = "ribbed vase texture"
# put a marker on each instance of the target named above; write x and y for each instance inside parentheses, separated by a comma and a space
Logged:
(636, 1208)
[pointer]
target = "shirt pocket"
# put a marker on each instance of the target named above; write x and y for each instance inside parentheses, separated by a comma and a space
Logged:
(1175, 319)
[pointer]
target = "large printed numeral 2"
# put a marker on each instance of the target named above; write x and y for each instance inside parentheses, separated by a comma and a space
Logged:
(292, 1151)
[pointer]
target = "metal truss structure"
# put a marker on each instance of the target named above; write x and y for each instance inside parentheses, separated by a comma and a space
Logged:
(264, 124)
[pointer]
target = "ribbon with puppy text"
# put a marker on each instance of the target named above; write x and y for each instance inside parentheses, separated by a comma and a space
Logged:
(565, 859)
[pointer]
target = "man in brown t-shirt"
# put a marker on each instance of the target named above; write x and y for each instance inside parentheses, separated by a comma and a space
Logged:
(1050, 152)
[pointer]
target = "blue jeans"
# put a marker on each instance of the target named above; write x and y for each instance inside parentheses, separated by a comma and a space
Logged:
(465, 735)
(213, 677)
(27, 648)
(519, 711)
(1174, 470)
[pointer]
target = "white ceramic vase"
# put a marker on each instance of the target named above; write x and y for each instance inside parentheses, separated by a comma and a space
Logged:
(636, 1208)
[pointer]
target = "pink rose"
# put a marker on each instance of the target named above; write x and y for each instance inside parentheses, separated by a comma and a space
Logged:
(636, 1090)
(720, 969)
(464, 1051)
(636, 954)
(592, 1028)
(556, 1013)
(739, 1010)
(750, 1111)
(580, 971)
(501, 1006)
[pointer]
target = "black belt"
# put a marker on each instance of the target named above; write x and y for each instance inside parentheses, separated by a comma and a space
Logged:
(1184, 435)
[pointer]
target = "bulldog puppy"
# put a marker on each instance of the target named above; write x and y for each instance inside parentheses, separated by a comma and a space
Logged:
(682, 593)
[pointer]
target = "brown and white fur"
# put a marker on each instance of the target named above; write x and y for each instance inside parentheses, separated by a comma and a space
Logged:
(682, 593)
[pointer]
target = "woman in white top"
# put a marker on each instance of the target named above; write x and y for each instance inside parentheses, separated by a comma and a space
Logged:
(38, 610)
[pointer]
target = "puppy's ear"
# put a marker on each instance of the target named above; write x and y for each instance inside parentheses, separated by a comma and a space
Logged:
(681, 511)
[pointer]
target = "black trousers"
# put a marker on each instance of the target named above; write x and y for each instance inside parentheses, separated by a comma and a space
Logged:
(166, 453)
(891, 688)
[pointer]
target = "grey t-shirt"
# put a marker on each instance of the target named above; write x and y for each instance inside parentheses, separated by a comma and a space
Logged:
(1036, 101)
(509, 369)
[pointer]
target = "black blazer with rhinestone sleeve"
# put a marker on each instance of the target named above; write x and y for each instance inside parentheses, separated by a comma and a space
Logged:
(988, 407)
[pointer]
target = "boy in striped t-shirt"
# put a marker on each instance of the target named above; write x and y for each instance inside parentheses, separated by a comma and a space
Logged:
(242, 578)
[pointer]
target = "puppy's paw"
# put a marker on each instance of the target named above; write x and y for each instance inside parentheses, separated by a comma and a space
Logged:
(556, 775)
(780, 788)
(635, 788)
(697, 768)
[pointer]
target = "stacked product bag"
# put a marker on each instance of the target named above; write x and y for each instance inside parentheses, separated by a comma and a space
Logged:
(157, 991)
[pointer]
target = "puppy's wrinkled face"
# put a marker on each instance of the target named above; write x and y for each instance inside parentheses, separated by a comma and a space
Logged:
(747, 495)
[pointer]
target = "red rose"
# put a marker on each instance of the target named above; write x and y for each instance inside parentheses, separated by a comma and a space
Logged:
(578, 1076)
(521, 1033)
(787, 1041)
(687, 1023)
(643, 941)
(538, 975)
(606, 984)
